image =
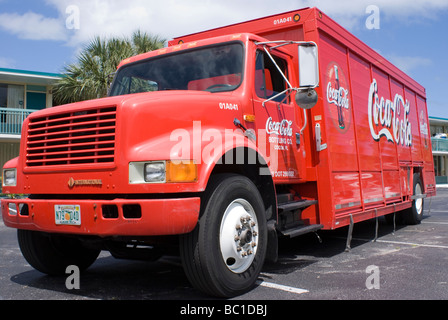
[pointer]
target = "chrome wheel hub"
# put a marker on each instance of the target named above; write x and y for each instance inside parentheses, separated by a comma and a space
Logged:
(238, 236)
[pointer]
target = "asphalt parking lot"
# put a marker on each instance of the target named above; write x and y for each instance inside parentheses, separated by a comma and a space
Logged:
(409, 262)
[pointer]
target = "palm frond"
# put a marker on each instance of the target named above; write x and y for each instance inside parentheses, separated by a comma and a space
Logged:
(88, 78)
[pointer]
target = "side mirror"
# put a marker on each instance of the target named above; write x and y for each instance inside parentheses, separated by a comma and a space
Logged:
(306, 98)
(308, 65)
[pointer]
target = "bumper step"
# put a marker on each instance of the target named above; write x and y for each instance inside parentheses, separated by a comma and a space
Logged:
(300, 230)
(294, 205)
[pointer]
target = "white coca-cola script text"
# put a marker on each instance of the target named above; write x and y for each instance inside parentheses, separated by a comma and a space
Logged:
(339, 97)
(281, 128)
(389, 118)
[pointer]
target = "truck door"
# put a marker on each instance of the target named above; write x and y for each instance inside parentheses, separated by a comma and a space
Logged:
(275, 120)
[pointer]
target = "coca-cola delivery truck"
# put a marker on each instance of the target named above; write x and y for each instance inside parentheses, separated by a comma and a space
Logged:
(221, 143)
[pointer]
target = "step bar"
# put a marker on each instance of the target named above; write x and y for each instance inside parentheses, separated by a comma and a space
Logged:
(300, 230)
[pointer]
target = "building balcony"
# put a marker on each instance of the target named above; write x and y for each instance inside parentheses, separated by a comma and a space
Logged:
(439, 146)
(11, 121)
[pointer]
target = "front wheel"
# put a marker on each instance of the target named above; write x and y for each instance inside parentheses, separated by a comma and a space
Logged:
(224, 254)
(52, 254)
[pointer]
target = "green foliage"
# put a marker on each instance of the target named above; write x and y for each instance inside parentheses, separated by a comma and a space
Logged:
(89, 78)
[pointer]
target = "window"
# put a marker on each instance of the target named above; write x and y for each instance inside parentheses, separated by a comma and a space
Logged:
(12, 96)
(213, 69)
(268, 80)
(36, 97)
(3, 95)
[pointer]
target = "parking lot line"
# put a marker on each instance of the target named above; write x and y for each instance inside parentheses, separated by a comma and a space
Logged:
(281, 287)
(433, 222)
(413, 244)
(398, 242)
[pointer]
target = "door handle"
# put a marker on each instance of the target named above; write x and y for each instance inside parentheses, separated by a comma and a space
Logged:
(319, 145)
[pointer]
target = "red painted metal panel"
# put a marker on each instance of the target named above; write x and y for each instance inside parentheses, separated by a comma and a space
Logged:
(372, 189)
(338, 106)
(414, 119)
(158, 216)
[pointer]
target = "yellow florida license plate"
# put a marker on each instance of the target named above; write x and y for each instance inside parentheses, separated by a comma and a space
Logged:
(68, 214)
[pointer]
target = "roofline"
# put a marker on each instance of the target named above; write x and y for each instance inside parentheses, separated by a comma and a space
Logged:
(172, 41)
(438, 118)
(31, 73)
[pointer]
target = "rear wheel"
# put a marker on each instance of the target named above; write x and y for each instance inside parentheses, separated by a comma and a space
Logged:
(414, 214)
(224, 254)
(52, 254)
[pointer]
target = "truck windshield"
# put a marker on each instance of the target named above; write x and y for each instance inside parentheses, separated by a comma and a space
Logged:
(214, 69)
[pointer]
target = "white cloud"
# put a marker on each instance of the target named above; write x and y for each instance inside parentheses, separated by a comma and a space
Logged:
(408, 63)
(170, 18)
(7, 63)
(32, 26)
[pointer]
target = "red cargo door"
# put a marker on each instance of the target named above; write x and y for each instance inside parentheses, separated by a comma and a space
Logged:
(340, 132)
(426, 149)
(369, 152)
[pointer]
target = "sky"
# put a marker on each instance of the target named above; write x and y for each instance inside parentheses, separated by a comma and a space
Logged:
(46, 35)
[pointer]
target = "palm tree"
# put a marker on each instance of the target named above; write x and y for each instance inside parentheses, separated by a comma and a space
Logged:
(89, 77)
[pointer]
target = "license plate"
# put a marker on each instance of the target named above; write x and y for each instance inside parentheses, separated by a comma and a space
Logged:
(68, 214)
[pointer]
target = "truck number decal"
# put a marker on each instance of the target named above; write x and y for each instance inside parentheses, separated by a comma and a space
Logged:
(228, 106)
(389, 119)
(283, 20)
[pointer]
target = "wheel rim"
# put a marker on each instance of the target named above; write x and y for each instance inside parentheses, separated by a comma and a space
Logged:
(238, 236)
(418, 201)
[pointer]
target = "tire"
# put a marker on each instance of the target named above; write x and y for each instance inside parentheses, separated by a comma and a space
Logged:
(414, 214)
(52, 254)
(224, 254)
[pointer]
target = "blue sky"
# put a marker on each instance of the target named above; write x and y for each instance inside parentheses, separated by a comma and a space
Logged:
(45, 35)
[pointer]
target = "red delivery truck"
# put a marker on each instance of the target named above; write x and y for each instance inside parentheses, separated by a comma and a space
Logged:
(223, 141)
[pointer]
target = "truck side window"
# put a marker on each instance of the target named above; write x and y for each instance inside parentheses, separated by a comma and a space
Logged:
(268, 80)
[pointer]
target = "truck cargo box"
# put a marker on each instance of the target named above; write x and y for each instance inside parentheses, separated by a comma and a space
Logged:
(372, 118)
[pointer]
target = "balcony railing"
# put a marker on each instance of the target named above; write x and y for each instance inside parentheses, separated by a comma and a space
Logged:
(439, 145)
(11, 120)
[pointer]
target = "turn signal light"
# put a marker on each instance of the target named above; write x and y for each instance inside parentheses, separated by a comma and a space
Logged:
(181, 171)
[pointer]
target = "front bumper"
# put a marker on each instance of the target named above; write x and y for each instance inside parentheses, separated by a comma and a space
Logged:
(118, 217)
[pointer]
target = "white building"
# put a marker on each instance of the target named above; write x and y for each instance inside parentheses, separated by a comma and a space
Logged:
(439, 139)
(21, 93)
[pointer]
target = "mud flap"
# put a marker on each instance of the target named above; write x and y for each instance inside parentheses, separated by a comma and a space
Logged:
(272, 247)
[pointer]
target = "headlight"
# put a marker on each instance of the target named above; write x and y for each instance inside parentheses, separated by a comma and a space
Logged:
(163, 172)
(155, 172)
(9, 177)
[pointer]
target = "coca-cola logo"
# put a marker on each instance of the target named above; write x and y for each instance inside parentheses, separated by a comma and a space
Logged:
(281, 128)
(389, 119)
(424, 131)
(338, 97)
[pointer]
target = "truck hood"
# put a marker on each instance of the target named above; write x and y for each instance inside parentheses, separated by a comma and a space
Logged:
(149, 124)
(137, 98)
